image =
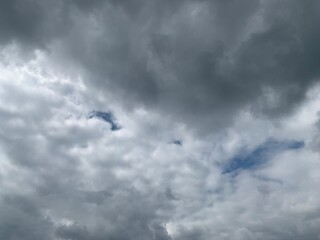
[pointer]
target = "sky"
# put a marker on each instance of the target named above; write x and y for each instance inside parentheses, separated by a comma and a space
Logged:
(159, 120)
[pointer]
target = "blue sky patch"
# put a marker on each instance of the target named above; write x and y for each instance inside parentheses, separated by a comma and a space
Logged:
(177, 142)
(107, 117)
(261, 154)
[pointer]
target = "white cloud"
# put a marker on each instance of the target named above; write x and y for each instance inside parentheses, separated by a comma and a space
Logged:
(64, 175)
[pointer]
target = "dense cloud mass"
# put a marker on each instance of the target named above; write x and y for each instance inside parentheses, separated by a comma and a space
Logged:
(158, 119)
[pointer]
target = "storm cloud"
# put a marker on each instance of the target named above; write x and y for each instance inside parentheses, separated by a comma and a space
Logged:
(159, 119)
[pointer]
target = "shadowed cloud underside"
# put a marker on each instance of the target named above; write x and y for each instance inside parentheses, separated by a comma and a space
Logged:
(159, 119)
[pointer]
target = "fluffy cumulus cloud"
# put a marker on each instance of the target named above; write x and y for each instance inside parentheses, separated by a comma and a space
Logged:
(158, 119)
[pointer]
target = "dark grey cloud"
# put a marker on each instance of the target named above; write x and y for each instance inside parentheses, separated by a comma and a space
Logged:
(167, 70)
(72, 232)
(22, 219)
(205, 63)
(32, 23)
(190, 59)
(75, 232)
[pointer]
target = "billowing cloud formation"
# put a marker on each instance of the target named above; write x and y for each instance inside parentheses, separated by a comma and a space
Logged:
(192, 84)
(186, 58)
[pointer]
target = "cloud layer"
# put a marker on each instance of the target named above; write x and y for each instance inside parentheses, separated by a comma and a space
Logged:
(162, 120)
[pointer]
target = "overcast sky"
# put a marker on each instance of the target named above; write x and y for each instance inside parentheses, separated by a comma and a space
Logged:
(159, 120)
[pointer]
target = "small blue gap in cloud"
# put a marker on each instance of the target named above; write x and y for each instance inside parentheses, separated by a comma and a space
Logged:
(261, 154)
(177, 142)
(107, 117)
